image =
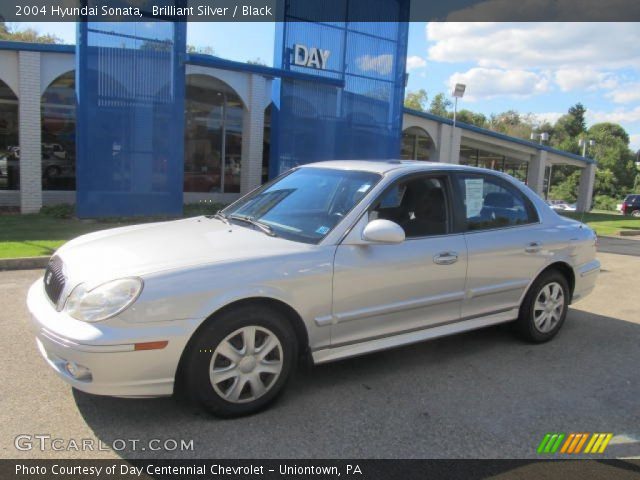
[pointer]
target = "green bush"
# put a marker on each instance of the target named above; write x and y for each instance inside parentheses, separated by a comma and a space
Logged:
(203, 207)
(62, 210)
(605, 202)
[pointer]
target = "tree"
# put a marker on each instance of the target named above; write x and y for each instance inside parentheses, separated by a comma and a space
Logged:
(467, 116)
(612, 153)
(13, 33)
(440, 105)
(513, 123)
(578, 113)
(416, 100)
(207, 50)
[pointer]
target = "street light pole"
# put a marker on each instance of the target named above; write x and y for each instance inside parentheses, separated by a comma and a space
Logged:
(458, 92)
(583, 142)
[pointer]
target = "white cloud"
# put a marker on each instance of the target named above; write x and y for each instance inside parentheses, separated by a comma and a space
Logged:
(542, 55)
(381, 64)
(492, 82)
(626, 93)
(634, 142)
(583, 79)
(551, 117)
(415, 62)
(536, 44)
(616, 116)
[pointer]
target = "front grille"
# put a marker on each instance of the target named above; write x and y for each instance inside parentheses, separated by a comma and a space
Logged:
(54, 279)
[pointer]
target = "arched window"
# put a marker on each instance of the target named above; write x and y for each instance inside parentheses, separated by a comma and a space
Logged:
(58, 109)
(416, 144)
(9, 142)
(213, 136)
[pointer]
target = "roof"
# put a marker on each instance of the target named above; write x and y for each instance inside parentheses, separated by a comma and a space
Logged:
(385, 166)
(37, 47)
(501, 136)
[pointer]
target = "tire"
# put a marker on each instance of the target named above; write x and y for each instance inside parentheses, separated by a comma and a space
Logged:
(636, 213)
(550, 290)
(242, 371)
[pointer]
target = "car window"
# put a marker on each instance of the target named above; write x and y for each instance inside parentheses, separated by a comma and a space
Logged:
(492, 203)
(306, 204)
(417, 204)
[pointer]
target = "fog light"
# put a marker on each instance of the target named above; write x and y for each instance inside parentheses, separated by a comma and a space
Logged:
(78, 372)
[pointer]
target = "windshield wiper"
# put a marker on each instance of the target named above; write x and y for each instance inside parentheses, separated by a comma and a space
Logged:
(221, 216)
(252, 221)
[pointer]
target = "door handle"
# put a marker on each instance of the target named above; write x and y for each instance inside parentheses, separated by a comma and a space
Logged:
(446, 258)
(533, 247)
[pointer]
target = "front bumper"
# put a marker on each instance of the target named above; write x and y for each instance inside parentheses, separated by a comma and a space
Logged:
(107, 350)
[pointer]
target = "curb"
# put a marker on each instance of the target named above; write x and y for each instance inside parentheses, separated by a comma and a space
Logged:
(23, 263)
(629, 233)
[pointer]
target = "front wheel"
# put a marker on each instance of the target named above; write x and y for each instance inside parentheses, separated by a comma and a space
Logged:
(544, 308)
(240, 361)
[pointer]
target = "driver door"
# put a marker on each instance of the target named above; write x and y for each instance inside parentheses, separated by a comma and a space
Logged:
(385, 289)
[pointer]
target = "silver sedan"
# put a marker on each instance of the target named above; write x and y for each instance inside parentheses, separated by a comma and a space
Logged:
(328, 261)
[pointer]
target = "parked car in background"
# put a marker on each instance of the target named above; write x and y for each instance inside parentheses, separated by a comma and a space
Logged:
(328, 261)
(561, 205)
(631, 205)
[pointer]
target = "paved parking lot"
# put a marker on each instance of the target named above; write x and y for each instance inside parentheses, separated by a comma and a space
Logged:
(480, 394)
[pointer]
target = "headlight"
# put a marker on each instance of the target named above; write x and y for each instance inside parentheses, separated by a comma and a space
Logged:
(103, 301)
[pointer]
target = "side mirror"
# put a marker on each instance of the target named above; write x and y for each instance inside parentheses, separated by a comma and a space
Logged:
(383, 231)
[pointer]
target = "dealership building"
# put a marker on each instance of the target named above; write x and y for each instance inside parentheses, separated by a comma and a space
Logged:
(114, 142)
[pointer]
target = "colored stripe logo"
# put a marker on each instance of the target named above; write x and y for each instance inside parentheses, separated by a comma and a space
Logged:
(574, 443)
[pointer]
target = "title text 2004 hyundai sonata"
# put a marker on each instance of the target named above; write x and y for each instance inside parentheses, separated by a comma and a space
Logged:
(330, 260)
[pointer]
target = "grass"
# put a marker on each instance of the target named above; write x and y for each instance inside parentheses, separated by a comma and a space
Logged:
(41, 234)
(606, 223)
(36, 235)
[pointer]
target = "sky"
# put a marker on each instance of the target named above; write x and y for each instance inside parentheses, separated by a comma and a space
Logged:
(540, 68)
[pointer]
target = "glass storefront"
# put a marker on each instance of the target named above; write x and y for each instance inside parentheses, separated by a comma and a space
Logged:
(58, 109)
(9, 142)
(416, 144)
(213, 132)
(484, 159)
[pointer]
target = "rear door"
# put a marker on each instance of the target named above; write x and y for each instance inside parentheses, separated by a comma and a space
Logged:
(505, 243)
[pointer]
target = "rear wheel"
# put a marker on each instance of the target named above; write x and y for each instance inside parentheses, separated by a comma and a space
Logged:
(544, 308)
(636, 213)
(240, 361)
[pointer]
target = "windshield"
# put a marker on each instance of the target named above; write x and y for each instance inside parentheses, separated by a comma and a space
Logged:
(306, 204)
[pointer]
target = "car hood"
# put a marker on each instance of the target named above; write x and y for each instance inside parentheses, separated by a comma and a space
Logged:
(154, 247)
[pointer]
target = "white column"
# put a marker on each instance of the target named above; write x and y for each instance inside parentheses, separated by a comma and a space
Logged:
(30, 132)
(252, 135)
(535, 174)
(448, 142)
(585, 188)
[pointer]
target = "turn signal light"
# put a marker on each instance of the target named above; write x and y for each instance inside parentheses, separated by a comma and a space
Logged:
(151, 345)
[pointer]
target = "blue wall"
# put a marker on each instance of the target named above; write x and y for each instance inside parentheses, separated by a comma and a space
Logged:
(130, 137)
(362, 119)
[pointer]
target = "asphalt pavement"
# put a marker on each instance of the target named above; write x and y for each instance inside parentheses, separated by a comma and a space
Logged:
(620, 245)
(482, 394)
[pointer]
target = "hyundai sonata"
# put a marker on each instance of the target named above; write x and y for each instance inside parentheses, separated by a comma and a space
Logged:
(328, 261)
